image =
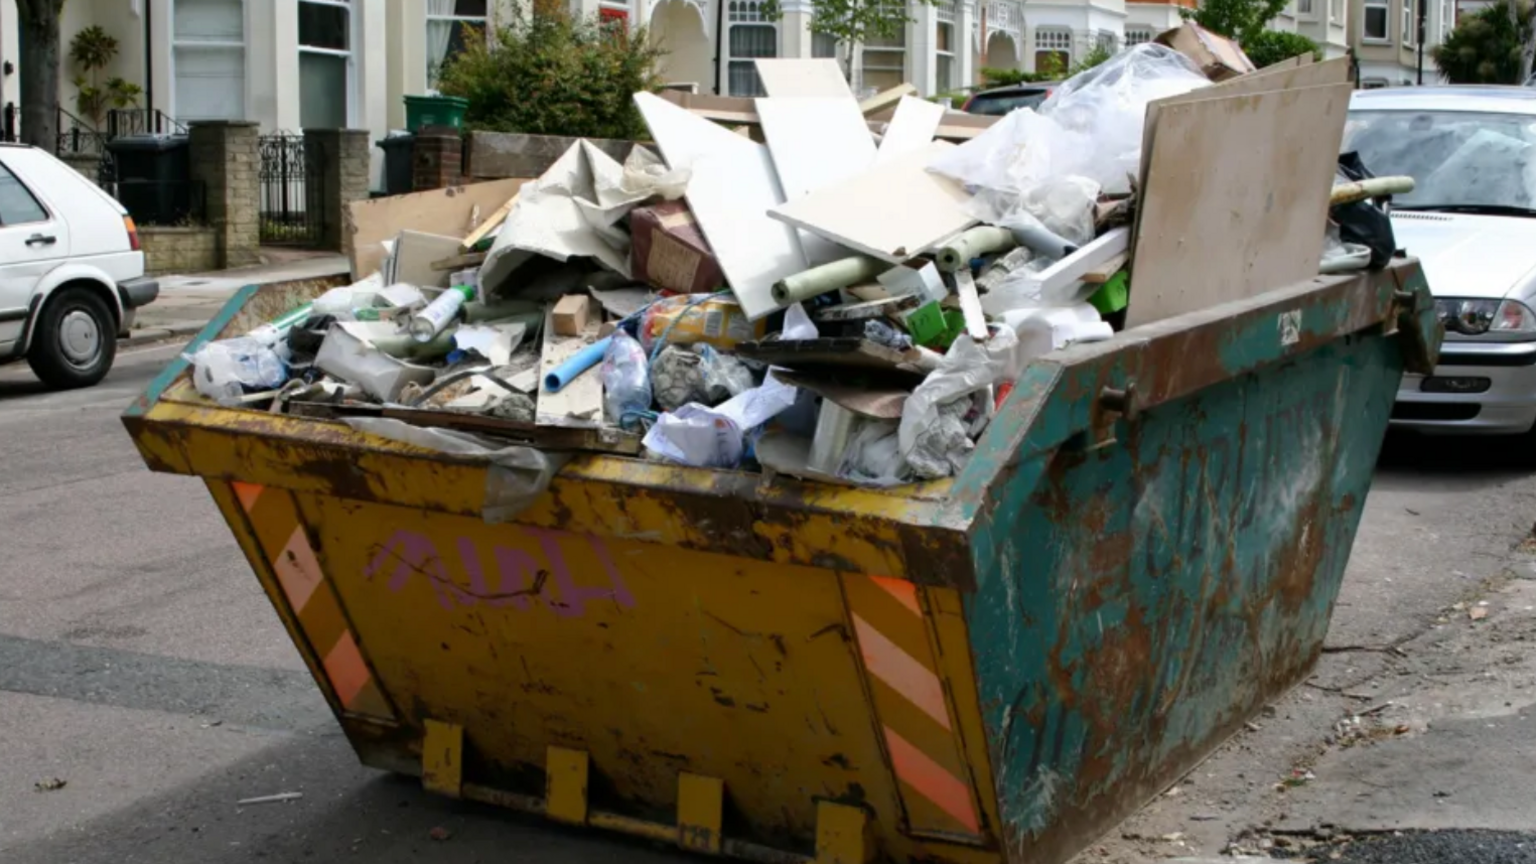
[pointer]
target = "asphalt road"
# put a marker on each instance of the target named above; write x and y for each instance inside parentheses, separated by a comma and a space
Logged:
(142, 668)
(141, 665)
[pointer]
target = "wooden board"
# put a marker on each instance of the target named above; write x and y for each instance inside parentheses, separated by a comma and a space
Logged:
(731, 190)
(913, 128)
(815, 142)
(794, 78)
(892, 211)
(1285, 75)
(554, 438)
(579, 404)
(1236, 198)
(886, 99)
(373, 220)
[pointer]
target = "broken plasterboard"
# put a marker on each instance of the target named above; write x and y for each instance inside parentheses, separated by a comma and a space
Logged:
(816, 142)
(913, 128)
(578, 404)
(892, 211)
(416, 252)
(1236, 198)
(732, 187)
(791, 78)
(371, 221)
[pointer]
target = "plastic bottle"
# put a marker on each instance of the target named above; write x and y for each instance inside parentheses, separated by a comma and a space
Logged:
(431, 320)
(274, 331)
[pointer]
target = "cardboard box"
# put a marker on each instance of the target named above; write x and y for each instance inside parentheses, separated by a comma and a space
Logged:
(1217, 56)
(669, 251)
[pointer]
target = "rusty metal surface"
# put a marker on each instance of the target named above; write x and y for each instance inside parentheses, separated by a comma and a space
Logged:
(1146, 580)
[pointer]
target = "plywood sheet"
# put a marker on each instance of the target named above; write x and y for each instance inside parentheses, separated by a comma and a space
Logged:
(892, 211)
(797, 78)
(816, 142)
(913, 127)
(1284, 75)
(372, 221)
(1236, 198)
(732, 188)
(415, 253)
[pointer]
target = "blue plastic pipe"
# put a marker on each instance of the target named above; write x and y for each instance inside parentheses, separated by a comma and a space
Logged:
(580, 362)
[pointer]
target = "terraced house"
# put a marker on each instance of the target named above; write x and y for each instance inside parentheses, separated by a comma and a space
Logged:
(293, 64)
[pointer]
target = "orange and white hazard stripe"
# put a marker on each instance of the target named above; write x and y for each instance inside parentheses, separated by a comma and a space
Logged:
(274, 519)
(914, 713)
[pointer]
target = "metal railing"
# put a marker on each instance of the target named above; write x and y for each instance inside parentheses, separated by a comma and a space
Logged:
(122, 122)
(287, 190)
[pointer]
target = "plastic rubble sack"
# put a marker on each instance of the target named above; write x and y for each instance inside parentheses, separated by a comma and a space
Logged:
(1090, 127)
(873, 455)
(646, 174)
(626, 380)
(1341, 257)
(227, 369)
(715, 437)
(934, 436)
(517, 475)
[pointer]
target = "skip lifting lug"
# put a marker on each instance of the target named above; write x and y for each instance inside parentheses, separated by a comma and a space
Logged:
(1122, 402)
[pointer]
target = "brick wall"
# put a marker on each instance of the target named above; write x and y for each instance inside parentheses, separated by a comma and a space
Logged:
(336, 162)
(437, 160)
(89, 167)
(224, 158)
(179, 250)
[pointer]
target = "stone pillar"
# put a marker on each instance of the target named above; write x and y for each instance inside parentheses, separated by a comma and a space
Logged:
(437, 160)
(922, 39)
(225, 162)
(336, 174)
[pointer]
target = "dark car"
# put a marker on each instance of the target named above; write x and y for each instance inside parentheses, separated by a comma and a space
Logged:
(1001, 100)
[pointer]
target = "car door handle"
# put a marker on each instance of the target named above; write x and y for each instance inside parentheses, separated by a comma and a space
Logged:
(42, 240)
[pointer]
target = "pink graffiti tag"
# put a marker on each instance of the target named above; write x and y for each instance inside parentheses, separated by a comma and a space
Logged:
(516, 574)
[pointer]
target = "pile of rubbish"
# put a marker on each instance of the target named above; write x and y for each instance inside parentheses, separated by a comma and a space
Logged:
(839, 300)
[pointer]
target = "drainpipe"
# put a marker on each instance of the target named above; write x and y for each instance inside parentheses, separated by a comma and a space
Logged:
(722, 87)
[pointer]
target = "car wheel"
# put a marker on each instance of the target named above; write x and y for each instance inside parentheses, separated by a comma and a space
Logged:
(75, 339)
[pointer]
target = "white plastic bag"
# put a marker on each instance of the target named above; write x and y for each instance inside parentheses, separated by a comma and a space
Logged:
(225, 369)
(931, 415)
(1090, 127)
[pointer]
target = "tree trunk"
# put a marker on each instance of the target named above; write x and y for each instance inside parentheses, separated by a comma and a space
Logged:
(1528, 48)
(39, 26)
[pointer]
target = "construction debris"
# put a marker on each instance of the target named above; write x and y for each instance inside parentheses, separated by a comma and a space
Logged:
(840, 294)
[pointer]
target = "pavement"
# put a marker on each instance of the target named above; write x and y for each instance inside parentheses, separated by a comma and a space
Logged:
(154, 688)
(187, 302)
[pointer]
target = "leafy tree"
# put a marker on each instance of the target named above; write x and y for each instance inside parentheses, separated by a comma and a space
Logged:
(1243, 20)
(1487, 46)
(92, 50)
(39, 67)
(1095, 56)
(551, 73)
(852, 22)
(1269, 47)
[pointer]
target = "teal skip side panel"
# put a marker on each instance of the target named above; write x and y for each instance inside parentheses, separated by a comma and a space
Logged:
(1139, 600)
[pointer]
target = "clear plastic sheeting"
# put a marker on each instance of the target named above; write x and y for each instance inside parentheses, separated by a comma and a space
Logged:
(227, 369)
(1090, 128)
(517, 476)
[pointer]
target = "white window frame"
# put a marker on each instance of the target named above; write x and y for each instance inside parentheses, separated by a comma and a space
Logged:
(1306, 7)
(748, 13)
(1447, 18)
(243, 46)
(1365, 8)
(899, 66)
(1336, 11)
(483, 22)
(1053, 33)
(1410, 31)
(947, 57)
(1106, 39)
(350, 55)
(1137, 36)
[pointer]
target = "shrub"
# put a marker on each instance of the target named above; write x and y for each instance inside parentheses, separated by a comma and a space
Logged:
(547, 72)
(1268, 47)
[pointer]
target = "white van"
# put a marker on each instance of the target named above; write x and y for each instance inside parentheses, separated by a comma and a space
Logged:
(71, 272)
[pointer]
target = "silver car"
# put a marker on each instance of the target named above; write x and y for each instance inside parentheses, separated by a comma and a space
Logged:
(1471, 220)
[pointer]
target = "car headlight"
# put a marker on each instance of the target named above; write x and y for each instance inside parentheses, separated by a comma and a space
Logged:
(1477, 317)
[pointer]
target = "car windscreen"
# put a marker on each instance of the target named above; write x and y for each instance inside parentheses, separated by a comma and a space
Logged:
(1002, 103)
(1458, 159)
